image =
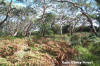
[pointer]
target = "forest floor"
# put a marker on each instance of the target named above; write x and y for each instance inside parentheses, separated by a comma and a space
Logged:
(38, 51)
(34, 50)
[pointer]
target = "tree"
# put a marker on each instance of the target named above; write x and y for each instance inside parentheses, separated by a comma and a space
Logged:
(46, 24)
(19, 21)
(8, 13)
(89, 19)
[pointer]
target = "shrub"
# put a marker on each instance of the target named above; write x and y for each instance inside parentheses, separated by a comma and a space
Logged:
(86, 55)
(56, 29)
(49, 32)
(75, 40)
(91, 52)
(35, 33)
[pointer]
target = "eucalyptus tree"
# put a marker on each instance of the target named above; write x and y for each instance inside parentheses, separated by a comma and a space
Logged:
(66, 16)
(19, 20)
(8, 11)
(80, 7)
(61, 15)
(47, 24)
(23, 19)
(46, 19)
(5, 8)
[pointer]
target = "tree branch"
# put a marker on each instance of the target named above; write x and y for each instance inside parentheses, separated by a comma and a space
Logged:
(8, 13)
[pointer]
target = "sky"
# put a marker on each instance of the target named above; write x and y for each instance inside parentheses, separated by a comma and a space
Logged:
(23, 1)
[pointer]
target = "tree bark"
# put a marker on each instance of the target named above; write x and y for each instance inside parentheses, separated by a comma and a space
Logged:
(26, 30)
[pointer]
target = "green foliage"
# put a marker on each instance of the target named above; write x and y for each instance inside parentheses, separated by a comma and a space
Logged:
(3, 64)
(66, 38)
(7, 37)
(91, 52)
(75, 39)
(86, 55)
(19, 34)
(49, 17)
(35, 33)
(98, 1)
(56, 29)
(65, 28)
(45, 24)
(2, 2)
(93, 16)
(3, 33)
(50, 32)
(94, 45)
(83, 29)
(45, 28)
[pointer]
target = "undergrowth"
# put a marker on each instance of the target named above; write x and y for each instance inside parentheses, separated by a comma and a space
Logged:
(50, 49)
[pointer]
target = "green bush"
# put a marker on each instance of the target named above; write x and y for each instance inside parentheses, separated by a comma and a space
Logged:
(91, 52)
(75, 39)
(35, 33)
(86, 55)
(19, 34)
(56, 29)
(66, 38)
(85, 29)
(3, 33)
(94, 45)
(49, 32)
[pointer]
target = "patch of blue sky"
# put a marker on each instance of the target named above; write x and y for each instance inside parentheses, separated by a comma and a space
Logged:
(10, 0)
(25, 3)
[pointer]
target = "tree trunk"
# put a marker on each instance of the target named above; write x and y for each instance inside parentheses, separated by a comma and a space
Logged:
(15, 34)
(91, 23)
(61, 30)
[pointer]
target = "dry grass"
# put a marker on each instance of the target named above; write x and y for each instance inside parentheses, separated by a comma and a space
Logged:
(40, 52)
